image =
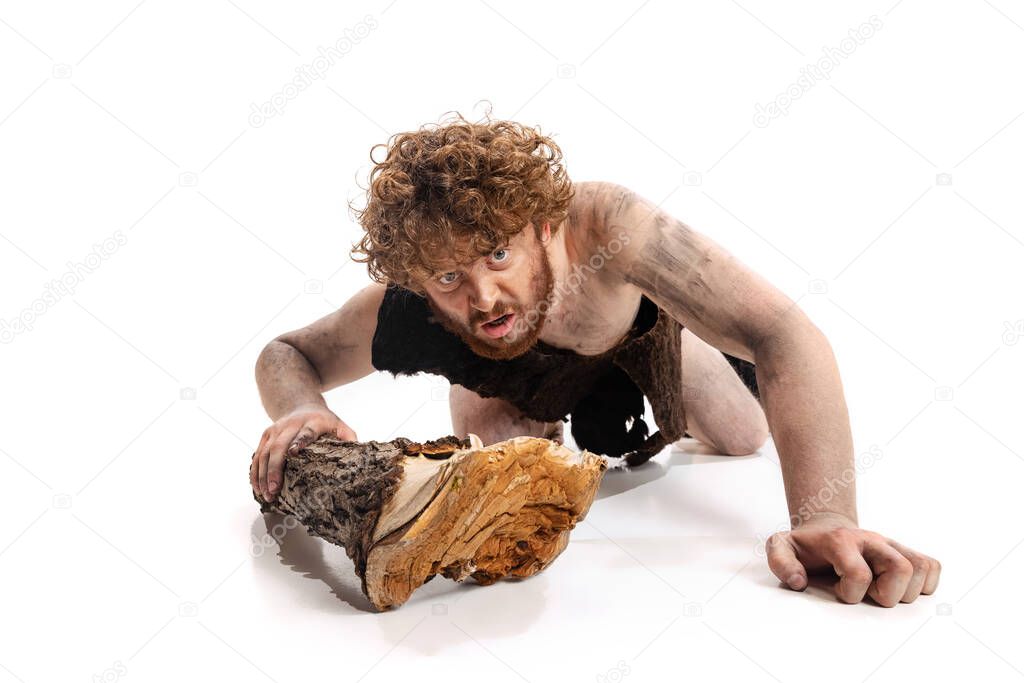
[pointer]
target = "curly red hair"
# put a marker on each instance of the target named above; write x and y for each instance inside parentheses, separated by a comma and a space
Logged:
(456, 190)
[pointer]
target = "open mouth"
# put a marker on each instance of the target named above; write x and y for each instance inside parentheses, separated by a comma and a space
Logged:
(500, 326)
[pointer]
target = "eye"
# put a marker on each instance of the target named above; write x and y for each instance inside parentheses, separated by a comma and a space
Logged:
(500, 255)
(448, 278)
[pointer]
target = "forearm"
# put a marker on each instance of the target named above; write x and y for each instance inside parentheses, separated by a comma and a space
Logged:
(286, 380)
(802, 394)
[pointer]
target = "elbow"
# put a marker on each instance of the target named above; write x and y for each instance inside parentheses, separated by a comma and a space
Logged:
(796, 327)
(271, 355)
(267, 354)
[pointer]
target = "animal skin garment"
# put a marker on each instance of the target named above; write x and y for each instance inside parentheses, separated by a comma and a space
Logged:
(602, 394)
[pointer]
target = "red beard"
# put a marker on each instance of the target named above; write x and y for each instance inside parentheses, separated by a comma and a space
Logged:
(526, 327)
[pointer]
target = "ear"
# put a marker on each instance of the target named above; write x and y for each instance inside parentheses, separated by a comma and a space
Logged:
(545, 233)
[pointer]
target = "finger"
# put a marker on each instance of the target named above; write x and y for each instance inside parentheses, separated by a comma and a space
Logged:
(261, 459)
(931, 582)
(275, 461)
(892, 571)
(931, 579)
(302, 439)
(922, 565)
(345, 433)
(253, 472)
(261, 472)
(783, 562)
(272, 438)
(842, 550)
(254, 467)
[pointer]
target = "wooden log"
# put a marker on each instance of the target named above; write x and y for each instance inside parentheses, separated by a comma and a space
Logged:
(407, 511)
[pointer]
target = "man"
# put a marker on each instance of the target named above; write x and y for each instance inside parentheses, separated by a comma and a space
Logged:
(539, 297)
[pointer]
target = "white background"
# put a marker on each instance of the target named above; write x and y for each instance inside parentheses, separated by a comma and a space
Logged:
(126, 547)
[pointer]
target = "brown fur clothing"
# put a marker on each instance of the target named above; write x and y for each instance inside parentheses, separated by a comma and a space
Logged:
(603, 394)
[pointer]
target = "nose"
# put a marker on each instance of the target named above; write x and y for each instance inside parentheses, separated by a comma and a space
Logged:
(484, 292)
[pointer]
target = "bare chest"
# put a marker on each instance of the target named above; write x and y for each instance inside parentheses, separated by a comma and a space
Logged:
(592, 309)
(589, 320)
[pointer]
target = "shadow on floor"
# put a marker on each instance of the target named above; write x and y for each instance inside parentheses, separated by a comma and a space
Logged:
(303, 553)
(685, 452)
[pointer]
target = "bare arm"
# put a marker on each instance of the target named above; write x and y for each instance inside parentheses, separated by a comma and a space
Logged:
(294, 370)
(297, 367)
(286, 379)
(736, 310)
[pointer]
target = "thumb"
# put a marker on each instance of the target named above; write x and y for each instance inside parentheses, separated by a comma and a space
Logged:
(783, 562)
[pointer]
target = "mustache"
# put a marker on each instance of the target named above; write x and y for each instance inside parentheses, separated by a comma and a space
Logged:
(477, 317)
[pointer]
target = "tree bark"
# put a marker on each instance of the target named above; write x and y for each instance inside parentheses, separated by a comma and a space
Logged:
(406, 511)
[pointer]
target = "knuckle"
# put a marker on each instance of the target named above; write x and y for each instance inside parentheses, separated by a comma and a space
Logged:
(277, 448)
(922, 565)
(859, 577)
(836, 538)
(306, 435)
(903, 567)
(871, 536)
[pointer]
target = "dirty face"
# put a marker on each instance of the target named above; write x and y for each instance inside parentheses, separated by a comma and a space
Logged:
(492, 303)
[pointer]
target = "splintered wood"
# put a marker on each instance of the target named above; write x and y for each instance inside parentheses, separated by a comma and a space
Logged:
(407, 511)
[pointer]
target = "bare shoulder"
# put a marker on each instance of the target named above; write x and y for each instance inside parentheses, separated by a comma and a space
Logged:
(603, 210)
(597, 226)
(594, 201)
(689, 274)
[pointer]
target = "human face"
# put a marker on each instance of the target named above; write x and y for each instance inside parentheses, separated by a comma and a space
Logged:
(493, 303)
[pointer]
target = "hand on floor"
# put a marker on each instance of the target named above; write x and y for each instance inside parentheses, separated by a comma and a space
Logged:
(866, 563)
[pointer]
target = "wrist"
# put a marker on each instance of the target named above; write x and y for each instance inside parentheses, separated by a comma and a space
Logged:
(830, 518)
(312, 404)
